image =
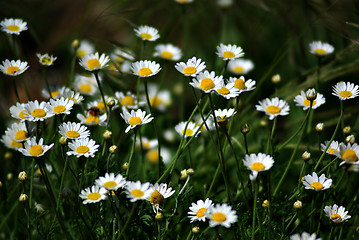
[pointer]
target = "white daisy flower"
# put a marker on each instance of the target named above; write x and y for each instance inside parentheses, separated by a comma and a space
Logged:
(168, 52)
(152, 155)
(348, 153)
(73, 130)
(223, 115)
(94, 62)
(135, 119)
(240, 66)
(221, 215)
(92, 120)
(10, 142)
(60, 106)
(145, 68)
(46, 59)
(34, 149)
(320, 49)
(13, 68)
(67, 93)
(84, 49)
(304, 236)
(160, 192)
(39, 207)
(18, 132)
(122, 54)
(37, 111)
(333, 147)
(273, 107)
(83, 147)
(191, 130)
(147, 33)
(159, 99)
(93, 194)
(227, 91)
(138, 191)
(198, 210)
(86, 85)
(55, 92)
(206, 81)
(128, 100)
(18, 112)
(257, 163)
(345, 91)
(229, 52)
(111, 182)
(146, 143)
(302, 100)
(192, 67)
(13, 25)
(336, 214)
(243, 85)
(317, 184)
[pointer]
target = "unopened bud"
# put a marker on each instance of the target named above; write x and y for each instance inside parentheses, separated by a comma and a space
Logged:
(306, 156)
(9, 176)
(184, 174)
(159, 216)
(190, 171)
(22, 176)
(276, 79)
(107, 134)
(265, 203)
(196, 229)
(263, 122)
(113, 149)
(311, 95)
(350, 139)
(297, 204)
(319, 127)
(23, 197)
(245, 128)
(1, 184)
(8, 155)
(75, 43)
(63, 140)
(125, 166)
(346, 129)
(110, 102)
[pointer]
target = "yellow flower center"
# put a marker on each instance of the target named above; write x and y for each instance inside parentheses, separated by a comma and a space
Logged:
(38, 112)
(167, 55)
(155, 101)
(189, 132)
(273, 109)
(15, 144)
(46, 61)
(240, 84)
(350, 155)
(345, 94)
(23, 114)
(332, 151)
(13, 28)
(82, 149)
(228, 54)
(320, 51)
(219, 217)
(12, 69)
(223, 91)
(207, 84)
(91, 119)
(93, 63)
(190, 70)
(72, 134)
(156, 198)
(316, 185)
(101, 106)
(146, 36)
(335, 216)
(144, 72)
(201, 212)
(21, 135)
(36, 150)
(306, 102)
(110, 184)
(238, 69)
(137, 193)
(80, 53)
(86, 88)
(93, 196)
(59, 109)
(128, 100)
(55, 93)
(135, 120)
(257, 166)
(152, 156)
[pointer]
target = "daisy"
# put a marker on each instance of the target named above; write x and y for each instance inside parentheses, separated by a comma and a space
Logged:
(83, 147)
(86, 85)
(273, 107)
(128, 100)
(111, 182)
(18, 132)
(192, 67)
(221, 214)
(348, 153)
(206, 81)
(333, 147)
(224, 115)
(198, 210)
(68, 93)
(191, 130)
(33, 149)
(152, 155)
(240, 66)
(159, 99)
(146, 143)
(138, 191)
(302, 100)
(54, 91)
(73, 130)
(135, 119)
(60, 106)
(145, 68)
(317, 184)
(304, 236)
(94, 62)
(46, 59)
(345, 91)
(13, 25)
(168, 52)
(160, 192)
(93, 194)
(336, 214)
(226, 90)
(147, 33)
(13, 68)
(92, 120)
(18, 111)
(10, 142)
(242, 85)
(36, 111)
(320, 49)
(257, 163)
(229, 52)
(84, 49)
(97, 104)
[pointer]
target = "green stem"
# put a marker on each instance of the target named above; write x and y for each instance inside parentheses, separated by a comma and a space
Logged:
(270, 137)
(31, 182)
(131, 154)
(128, 220)
(254, 208)
(213, 180)
(61, 183)
(25, 88)
(15, 89)
(102, 95)
(46, 82)
(245, 142)
(328, 165)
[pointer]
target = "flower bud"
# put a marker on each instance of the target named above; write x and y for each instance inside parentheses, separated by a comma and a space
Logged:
(306, 156)
(263, 122)
(75, 43)
(159, 216)
(184, 174)
(350, 139)
(265, 204)
(245, 128)
(125, 166)
(23, 197)
(9, 176)
(346, 129)
(113, 149)
(22, 176)
(107, 134)
(8, 155)
(311, 95)
(1, 184)
(319, 127)
(276, 79)
(110, 102)
(190, 171)
(63, 140)
(297, 204)
(196, 229)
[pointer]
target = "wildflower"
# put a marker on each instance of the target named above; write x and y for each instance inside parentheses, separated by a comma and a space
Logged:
(18, 132)
(192, 67)
(304, 236)
(92, 120)
(333, 147)
(85, 48)
(138, 191)
(345, 91)
(145, 68)
(257, 163)
(348, 153)
(107, 134)
(168, 52)
(306, 156)
(23, 197)
(82, 147)
(196, 229)
(198, 210)
(86, 85)
(94, 62)
(111, 182)
(10, 142)
(222, 116)
(55, 92)
(18, 111)
(315, 183)
(350, 139)
(320, 49)
(226, 90)
(135, 119)
(265, 203)
(33, 149)
(93, 194)
(67, 93)
(276, 79)
(273, 107)
(347, 129)
(36, 111)
(13, 25)
(229, 52)
(73, 130)
(221, 214)
(240, 66)
(160, 192)
(39, 207)
(46, 59)
(336, 214)
(13, 68)
(128, 100)
(60, 106)
(146, 143)
(147, 33)
(63, 140)
(319, 127)
(242, 85)
(302, 101)
(122, 54)
(245, 128)
(298, 204)
(113, 149)
(206, 81)
(159, 99)
(191, 130)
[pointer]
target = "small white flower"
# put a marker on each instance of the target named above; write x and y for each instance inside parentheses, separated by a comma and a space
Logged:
(67, 93)
(73, 130)
(36, 111)
(93, 62)
(122, 54)
(147, 33)
(168, 52)
(93, 194)
(135, 118)
(83, 147)
(257, 163)
(160, 192)
(336, 214)
(159, 99)
(145, 68)
(46, 59)
(84, 49)
(128, 100)
(206, 81)
(226, 90)
(86, 85)
(302, 101)
(13, 25)
(10, 142)
(111, 182)
(55, 92)
(304, 236)
(240, 66)
(192, 67)
(221, 215)
(229, 52)
(320, 49)
(34, 149)
(333, 147)
(191, 129)
(243, 85)
(13, 68)
(138, 191)
(60, 106)
(198, 210)
(348, 153)
(317, 184)
(224, 115)
(92, 120)
(273, 107)
(345, 91)
(18, 111)
(18, 132)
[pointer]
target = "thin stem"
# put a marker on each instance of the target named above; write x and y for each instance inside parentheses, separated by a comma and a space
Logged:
(270, 137)
(25, 88)
(128, 220)
(46, 82)
(328, 165)
(131, 154)
(245, 142)
(31, 182)
(100, 88)
(15, 89)
(254, 209)
(61, 183)
(213, 179)
(224, 67)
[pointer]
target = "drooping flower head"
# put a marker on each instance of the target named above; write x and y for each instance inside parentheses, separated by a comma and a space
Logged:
(159, 194)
